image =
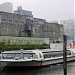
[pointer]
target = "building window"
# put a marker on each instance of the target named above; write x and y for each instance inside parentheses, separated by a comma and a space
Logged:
(16, 21)
(10, 20)
(0, 15)
(22, 21)
(3, 19)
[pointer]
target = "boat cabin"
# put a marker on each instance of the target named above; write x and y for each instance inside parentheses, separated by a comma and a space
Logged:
(19, 54)
(34, 54)
(52, 53)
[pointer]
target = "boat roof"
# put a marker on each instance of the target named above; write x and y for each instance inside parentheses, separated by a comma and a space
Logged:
(32, 51)
(19, 51)
(48, 50)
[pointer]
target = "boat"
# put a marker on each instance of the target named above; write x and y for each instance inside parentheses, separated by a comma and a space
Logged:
(34, 58)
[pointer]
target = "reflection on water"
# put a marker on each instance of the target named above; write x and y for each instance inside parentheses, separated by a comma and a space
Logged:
(53, 70)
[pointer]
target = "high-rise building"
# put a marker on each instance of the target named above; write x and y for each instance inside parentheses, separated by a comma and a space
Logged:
(69, 28)
(6, 7)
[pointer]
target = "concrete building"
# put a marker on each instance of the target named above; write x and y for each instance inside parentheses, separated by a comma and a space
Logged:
(6, 7)
(13, 24)
(38, 27)
(53, 31)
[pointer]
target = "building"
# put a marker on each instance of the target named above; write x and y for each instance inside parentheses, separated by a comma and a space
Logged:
(38, 27)
(69, 29)
(6, 7)
(29, 19)
(53, 31)
(23, 12)
(12, 24)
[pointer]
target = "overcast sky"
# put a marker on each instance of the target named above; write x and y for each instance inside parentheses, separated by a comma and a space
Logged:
(47, 9)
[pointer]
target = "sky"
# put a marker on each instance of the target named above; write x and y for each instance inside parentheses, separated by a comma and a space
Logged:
(51, 10)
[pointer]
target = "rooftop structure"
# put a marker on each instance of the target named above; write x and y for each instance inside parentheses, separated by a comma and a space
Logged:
(23, 12)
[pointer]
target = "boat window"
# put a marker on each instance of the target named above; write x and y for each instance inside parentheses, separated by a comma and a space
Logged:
(54, 54)
(7, 55)
(4, 55)
(35, 56)
(30, 55)
(25, 55)
(11, 55)
(17, 54)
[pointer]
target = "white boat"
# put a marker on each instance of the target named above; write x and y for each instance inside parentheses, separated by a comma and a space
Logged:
(34, 58)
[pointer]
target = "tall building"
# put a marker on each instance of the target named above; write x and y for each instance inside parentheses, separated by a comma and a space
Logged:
(6, 7)
(69, 28)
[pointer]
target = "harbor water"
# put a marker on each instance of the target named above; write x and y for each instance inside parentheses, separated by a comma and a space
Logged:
(52, 70)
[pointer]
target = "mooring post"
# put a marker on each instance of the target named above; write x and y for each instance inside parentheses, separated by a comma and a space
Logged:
(65, 54)
(49, 42)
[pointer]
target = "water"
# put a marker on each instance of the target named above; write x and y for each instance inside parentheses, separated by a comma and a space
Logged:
(53, 70)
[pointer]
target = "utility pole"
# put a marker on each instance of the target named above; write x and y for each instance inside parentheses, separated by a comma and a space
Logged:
(65, 54)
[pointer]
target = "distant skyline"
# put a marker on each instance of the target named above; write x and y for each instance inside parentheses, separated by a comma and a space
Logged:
(51, 10)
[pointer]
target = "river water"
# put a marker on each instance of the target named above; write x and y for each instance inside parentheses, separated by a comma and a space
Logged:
(52, 70)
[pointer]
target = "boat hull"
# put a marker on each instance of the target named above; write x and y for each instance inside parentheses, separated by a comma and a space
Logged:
(57, 61)
(19, 63)
(33, 63)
